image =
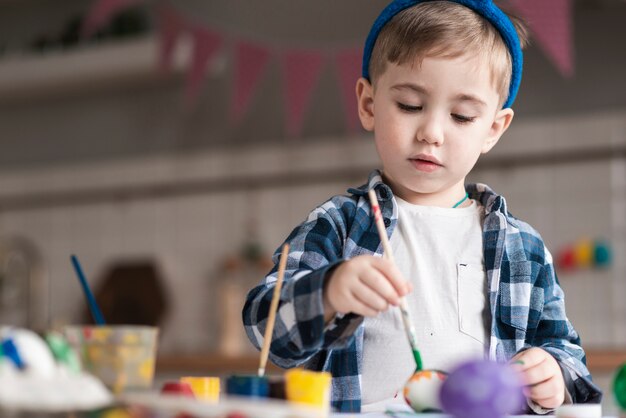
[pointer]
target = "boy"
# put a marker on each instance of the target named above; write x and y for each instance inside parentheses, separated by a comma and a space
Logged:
(439, 78)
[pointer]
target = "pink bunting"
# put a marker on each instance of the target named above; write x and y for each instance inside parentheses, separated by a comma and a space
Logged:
(301, 72)
(205, 44)
(250, 62)
(349, 70)
(101, 13)
(170, 26)
(551, 23)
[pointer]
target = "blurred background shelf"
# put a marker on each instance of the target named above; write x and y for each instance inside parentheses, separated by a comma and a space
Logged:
(111, 65)
(212, 363)
(599, 361)
(605, 360)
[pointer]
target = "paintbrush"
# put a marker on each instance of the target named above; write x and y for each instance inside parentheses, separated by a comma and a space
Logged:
(91, 301)
(271, 319)
(409, 328)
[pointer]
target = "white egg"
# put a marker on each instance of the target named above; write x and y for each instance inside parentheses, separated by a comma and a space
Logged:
(33, 350)
(421, 392)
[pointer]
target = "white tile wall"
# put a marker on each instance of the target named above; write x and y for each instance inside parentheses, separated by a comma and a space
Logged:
(190, 234)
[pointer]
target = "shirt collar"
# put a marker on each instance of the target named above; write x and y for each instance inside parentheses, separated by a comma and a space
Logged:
(375, 181)
(489, 199)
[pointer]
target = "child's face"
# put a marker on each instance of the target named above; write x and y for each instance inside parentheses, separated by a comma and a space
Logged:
(431, 123)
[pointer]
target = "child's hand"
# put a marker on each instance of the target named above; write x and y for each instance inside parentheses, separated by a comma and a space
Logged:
(542, 376)
(364, 285)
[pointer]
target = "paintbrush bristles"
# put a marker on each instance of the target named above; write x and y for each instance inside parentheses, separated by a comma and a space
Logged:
(271, 319)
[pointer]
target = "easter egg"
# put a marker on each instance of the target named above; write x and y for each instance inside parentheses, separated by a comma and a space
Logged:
(619, 387)
(602, 254)
(584, 253)
(32, 350)
(482, 389)
(421, 391)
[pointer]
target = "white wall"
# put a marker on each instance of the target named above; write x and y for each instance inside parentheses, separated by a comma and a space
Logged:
(190, 233)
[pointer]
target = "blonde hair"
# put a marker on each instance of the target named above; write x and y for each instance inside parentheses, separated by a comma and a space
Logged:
(447, 30)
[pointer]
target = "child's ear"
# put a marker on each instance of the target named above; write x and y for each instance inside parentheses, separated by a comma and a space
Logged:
(500, 124)
(365, 101)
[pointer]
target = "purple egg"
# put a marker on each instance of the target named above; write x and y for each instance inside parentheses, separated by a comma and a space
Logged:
(482, 389)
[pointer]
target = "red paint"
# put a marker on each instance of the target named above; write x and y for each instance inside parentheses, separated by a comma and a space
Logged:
(178, 388)
(236, 415)
(376, 211)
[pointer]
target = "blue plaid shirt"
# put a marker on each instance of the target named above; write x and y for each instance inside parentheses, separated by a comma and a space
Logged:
(527, 305)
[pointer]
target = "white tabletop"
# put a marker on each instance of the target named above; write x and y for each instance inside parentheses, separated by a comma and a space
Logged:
(416, 415)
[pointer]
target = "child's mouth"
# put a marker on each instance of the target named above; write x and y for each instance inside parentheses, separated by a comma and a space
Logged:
(424, 165)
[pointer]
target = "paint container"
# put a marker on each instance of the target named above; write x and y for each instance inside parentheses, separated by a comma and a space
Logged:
(205, 388)
(178, 389)
(579, 411)
(277, 387)
(308, 387)
(121, 356)
(247, 385)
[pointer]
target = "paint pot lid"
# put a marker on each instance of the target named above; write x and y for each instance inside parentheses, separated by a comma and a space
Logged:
(579, 411)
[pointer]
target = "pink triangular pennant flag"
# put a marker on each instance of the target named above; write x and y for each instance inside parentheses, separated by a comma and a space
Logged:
(348, 72)
(101, 13)
(551, 23)
(170, 26)
(250, 61)
(205, 44)
(301, 71)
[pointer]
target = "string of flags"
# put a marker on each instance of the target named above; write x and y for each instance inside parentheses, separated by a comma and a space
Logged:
(300, 68)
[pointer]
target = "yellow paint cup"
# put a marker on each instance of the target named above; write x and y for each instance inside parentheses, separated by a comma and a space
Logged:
(204, 388)
(308, 387)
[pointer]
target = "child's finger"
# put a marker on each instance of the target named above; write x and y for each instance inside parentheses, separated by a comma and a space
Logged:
(376, 281)
(360, 308)
(393, 275)
(546, 393)
(537, 374)
(370, 297)
(528, 358)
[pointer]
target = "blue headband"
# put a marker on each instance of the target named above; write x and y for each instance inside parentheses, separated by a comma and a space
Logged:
(485, 8)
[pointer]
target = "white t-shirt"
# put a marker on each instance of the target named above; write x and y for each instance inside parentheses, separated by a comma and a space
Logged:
(440, 250)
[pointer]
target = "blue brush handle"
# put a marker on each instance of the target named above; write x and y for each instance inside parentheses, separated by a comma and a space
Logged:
(91, 301)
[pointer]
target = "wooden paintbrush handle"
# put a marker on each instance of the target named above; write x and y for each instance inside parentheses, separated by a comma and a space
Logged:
(271, 319)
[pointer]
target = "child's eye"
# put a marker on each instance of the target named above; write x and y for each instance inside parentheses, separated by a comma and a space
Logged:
(409, 108)
(463, 119)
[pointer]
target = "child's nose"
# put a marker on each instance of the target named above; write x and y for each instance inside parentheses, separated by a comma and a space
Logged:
(431, 130)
